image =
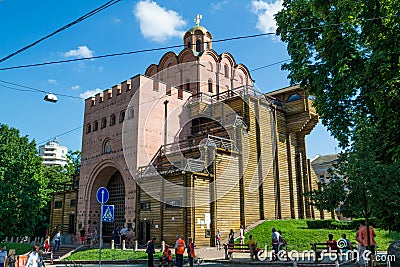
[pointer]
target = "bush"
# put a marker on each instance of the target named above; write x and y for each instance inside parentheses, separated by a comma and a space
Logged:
(319, 224)
(340, 225)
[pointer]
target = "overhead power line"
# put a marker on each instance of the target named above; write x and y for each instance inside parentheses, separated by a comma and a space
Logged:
(177, 46)
(31, 89)
(82, 18)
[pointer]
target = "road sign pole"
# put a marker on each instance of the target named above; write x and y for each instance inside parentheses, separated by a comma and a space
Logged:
(101, 226)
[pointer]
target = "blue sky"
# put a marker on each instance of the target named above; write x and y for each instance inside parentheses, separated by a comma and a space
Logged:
(126, 26)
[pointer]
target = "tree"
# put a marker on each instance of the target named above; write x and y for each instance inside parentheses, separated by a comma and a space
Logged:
(21, 184)
(345, 53)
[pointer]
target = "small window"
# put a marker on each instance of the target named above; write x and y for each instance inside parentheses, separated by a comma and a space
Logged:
(187, 86)
(198, 46)
(121, 116)
(107, 147)
(226, 69)
(112, 119)
(103, 123)
(176, 203)
(145, 205)
(88, 128)
(189, 45)
(131, 113)
(58, 204)
(293, 97)
(210, 86)
(95, 126)
(72, 203)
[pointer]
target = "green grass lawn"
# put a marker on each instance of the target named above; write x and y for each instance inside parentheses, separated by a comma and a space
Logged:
(299, 237)
(110, 254)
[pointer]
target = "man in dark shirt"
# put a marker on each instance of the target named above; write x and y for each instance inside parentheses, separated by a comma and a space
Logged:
(150, 252)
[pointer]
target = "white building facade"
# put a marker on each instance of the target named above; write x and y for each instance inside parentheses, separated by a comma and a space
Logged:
(53, 153)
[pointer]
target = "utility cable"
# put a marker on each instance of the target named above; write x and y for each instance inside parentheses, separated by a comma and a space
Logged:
(177, 46)
(82, 18)
(80, 127)
(31, 89)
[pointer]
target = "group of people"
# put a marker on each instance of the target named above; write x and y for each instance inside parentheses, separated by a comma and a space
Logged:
(35, 257)
(94, 236)
(121, 235)
(362, 242)
(166, 258)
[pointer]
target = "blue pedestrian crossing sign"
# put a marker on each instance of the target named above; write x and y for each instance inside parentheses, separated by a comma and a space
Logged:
(102, 195)
(108, 213)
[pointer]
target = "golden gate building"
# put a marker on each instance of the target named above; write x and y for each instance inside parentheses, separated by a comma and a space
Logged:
(192, 146)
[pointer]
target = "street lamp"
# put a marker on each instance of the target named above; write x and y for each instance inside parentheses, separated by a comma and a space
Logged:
(50, 97)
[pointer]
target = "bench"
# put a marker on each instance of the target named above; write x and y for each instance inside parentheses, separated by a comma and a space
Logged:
(231, 248)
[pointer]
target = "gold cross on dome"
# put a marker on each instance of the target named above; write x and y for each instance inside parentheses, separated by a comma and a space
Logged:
(197, 19)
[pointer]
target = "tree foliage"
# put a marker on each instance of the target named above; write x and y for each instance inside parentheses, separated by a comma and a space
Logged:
(21, 184)
(346, 54)
(26, 186)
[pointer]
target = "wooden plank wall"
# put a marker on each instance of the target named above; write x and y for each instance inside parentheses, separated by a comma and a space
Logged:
(251, 178)
(228, 201)
(267, 161)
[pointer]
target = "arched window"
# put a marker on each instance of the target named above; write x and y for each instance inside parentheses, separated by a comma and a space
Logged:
(293, 97)
(112, 119)
(88, 128)
(95, 126)
(103, 123)
(210, 86)
(226, 70)
(198, 48)
(189, 45)
(107, 148)
(121, 116)
(240, 79)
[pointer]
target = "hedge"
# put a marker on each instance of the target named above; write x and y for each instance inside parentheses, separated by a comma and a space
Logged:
(334, 224)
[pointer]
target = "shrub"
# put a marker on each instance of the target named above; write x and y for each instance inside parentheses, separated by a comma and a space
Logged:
(319, 224)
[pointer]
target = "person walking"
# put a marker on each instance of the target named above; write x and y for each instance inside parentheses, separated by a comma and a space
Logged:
(123, 234)
(150, 250)
(82, 236)
(40, 259)
(11, 260)
(241, 235)
(275, 243)
(218, 239)
(116, 235)
(47, 245)
(95, 236)
(3, 255)
(179, 250)
(57, 241)
(33, 258)
(190, 251)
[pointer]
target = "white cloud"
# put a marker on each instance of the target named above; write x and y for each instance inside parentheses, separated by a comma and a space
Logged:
(90, 93)
(81, 52)
(116, 20)
(218, 5)
(75, 87)
(52, 81)
(265, 12)
(158, 23)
